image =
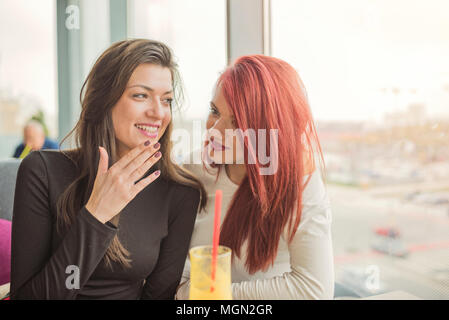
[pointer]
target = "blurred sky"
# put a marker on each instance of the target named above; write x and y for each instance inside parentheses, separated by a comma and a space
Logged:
(196, 31)
(348, 51)
(28, 50)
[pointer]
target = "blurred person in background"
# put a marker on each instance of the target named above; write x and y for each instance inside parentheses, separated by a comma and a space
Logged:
(34, 139)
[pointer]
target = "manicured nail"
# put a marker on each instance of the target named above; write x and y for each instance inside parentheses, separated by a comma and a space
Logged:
(158, 154)
(147, 143)
(157, 145)
(157, 173)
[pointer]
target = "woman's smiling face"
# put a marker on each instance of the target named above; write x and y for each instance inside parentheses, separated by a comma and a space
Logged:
(143, 112)
(222, 146)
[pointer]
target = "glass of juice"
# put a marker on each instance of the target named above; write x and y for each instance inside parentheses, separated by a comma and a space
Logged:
(201, 285)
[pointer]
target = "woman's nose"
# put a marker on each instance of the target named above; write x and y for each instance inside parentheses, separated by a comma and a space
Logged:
(217, 130)
(156, 110)
(218, 125)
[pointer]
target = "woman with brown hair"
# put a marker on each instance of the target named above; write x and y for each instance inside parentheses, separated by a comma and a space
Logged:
(67, 241)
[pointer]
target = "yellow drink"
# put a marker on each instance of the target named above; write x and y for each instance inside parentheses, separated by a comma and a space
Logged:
(200, 274)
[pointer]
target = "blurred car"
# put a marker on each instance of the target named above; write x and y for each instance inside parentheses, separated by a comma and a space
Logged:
(391, 246)
(388, 232)
(433, 199)
(412, 195)
(440, 201)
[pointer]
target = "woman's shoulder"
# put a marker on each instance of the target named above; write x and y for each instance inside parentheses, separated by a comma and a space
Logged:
(314, 187)
(46, 168)
(40, 157)
(178, 189)
(42, 161)
(180, 196)
(58, 158)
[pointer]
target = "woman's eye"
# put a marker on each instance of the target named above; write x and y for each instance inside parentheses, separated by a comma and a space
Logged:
(140, 95)
(214, 111)
(168, 101)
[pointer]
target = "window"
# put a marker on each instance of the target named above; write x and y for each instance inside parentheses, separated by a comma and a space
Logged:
(27, 68)
(377, 77)
(196, 31)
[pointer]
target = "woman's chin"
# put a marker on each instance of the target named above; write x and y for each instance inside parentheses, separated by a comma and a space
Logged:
(152, 140)
(219, 158)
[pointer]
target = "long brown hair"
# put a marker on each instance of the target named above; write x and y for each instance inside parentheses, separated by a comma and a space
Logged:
(266, 93)
(101, 90)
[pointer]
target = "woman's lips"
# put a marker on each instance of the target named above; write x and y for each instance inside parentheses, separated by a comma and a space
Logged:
(148, 134)
(217, 146)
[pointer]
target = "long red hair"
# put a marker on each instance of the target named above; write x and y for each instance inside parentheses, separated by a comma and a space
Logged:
(267, 93)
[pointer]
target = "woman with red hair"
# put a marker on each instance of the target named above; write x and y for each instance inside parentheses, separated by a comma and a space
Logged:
(279, 252)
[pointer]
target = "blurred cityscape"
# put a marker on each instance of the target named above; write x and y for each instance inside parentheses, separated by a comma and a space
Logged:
(389, 189)
(409, 147)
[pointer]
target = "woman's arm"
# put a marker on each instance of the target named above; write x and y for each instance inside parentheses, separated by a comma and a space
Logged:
(183, 289)
(36, 272)
(164, 279)
(311, 256)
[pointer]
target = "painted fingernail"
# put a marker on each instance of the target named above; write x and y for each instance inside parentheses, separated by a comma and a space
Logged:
(158, 154)
(157, 173)
(147, 143)
(157, 145)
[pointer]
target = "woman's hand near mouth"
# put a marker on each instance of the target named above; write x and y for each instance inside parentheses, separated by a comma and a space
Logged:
(115, 187)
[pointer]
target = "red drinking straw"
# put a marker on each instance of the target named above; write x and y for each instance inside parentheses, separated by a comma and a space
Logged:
(216, 239)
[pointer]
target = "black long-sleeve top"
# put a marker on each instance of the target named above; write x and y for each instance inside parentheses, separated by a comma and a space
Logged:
(155, 227)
